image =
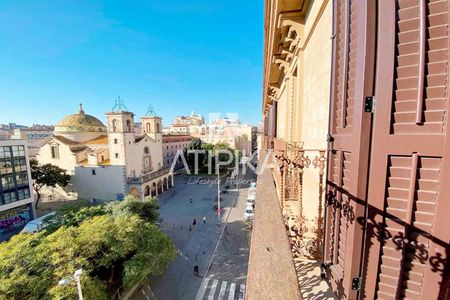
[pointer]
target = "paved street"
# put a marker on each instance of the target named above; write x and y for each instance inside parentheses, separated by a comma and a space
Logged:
(228, 272)
(228, 268)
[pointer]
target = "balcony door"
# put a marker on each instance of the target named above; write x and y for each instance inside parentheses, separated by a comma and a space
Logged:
(388, 186)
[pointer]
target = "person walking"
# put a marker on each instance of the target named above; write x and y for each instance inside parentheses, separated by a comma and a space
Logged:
(204, 220)
(194, 223)
(190, 200)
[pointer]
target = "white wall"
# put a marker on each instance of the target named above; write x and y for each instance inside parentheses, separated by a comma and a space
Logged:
(66, 160)
(104, 185)
(135, 156)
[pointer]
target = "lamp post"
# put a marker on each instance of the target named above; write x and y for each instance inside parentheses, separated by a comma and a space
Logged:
(218, 195)
(77, 278)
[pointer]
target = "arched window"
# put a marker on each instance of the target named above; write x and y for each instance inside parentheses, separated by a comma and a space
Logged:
(148, 127)
(146, 150)
(157, 127)
(128, 126)
(114, 125)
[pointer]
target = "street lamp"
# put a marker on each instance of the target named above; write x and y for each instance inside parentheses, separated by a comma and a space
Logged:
(218, 195)
(77, 278)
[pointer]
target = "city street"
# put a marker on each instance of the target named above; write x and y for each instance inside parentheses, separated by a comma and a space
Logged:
(197, 244)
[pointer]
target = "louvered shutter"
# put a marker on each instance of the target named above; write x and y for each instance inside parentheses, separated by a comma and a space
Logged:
(408, 226)
(349, 129)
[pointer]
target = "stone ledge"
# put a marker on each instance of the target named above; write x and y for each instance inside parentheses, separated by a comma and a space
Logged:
(271, 271)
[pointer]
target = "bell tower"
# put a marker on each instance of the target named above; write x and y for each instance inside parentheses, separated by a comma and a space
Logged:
(120, 132)
(152, 125)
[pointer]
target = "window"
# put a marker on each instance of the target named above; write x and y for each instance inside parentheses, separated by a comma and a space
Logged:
(117, 155)
(55, 151)
(114, 125)
(148, 127)
(115, 141)
(146, 150)
(128, 126)
(93, 172)
(157, 127)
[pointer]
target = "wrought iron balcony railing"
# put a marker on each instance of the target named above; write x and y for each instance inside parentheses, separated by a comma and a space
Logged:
(291, 161)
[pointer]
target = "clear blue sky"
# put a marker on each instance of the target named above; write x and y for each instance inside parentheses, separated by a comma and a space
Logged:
(178, 55)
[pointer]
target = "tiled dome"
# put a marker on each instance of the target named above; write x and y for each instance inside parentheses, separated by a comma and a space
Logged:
(81, 123)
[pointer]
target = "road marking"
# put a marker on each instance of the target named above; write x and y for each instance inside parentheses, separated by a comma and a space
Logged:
(202, 290)
(232, 291)
(212, 291)
(242, 292)
(223, 287)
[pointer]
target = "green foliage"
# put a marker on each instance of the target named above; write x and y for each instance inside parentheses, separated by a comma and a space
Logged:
(23, 271)
(154, 252)
(73, 215)
(211, 151)
(114, 244)
(195, 143)
(147, 209)
(47, 175)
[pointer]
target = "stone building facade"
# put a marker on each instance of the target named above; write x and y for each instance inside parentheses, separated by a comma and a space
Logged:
(296, 88)
(109, 162)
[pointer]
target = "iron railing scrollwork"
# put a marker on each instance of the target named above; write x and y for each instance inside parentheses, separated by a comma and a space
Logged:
(291, 161)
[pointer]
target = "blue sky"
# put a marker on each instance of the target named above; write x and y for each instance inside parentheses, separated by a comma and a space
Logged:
(179, 56)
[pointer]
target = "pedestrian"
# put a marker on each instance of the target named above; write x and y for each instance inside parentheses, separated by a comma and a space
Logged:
(195, 222)
(204, 220)
(190, 200)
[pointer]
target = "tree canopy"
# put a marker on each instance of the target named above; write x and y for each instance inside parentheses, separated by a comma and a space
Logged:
(114, 245)
(209, 155)
(47, 175)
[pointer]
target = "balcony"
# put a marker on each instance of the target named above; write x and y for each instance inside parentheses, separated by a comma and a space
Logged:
(289, 212)
(271, 271)
(148, 176)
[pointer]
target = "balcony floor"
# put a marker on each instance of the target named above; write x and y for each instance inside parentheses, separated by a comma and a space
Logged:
(312, 286)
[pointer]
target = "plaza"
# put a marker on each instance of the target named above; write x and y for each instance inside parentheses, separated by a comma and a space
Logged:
(198, 245)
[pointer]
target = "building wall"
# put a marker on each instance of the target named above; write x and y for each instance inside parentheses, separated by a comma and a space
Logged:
(15, 182)
(315, 103)
(34, 138)
(171, 144)
(67, 159)
(135, 157)
(105, 184)
(297, 89)
(316, 82)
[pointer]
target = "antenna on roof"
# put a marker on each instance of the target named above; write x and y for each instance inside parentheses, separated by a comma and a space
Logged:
(150, 111)
(119, 105)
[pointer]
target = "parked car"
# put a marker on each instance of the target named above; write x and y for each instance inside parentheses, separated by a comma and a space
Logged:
(251, 199)
(38, 224)
(248, 213)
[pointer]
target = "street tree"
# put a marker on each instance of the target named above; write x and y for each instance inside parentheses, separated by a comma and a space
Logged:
(47, 175)
(195, 144)
(117, 248)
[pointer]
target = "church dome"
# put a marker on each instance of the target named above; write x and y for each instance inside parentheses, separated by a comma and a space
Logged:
(79, 123)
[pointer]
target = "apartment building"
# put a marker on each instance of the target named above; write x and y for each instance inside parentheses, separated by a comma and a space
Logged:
(375, 118)
(172, 143)
(16, 196)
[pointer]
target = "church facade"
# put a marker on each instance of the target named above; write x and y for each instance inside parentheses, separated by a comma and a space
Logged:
(109, 162)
